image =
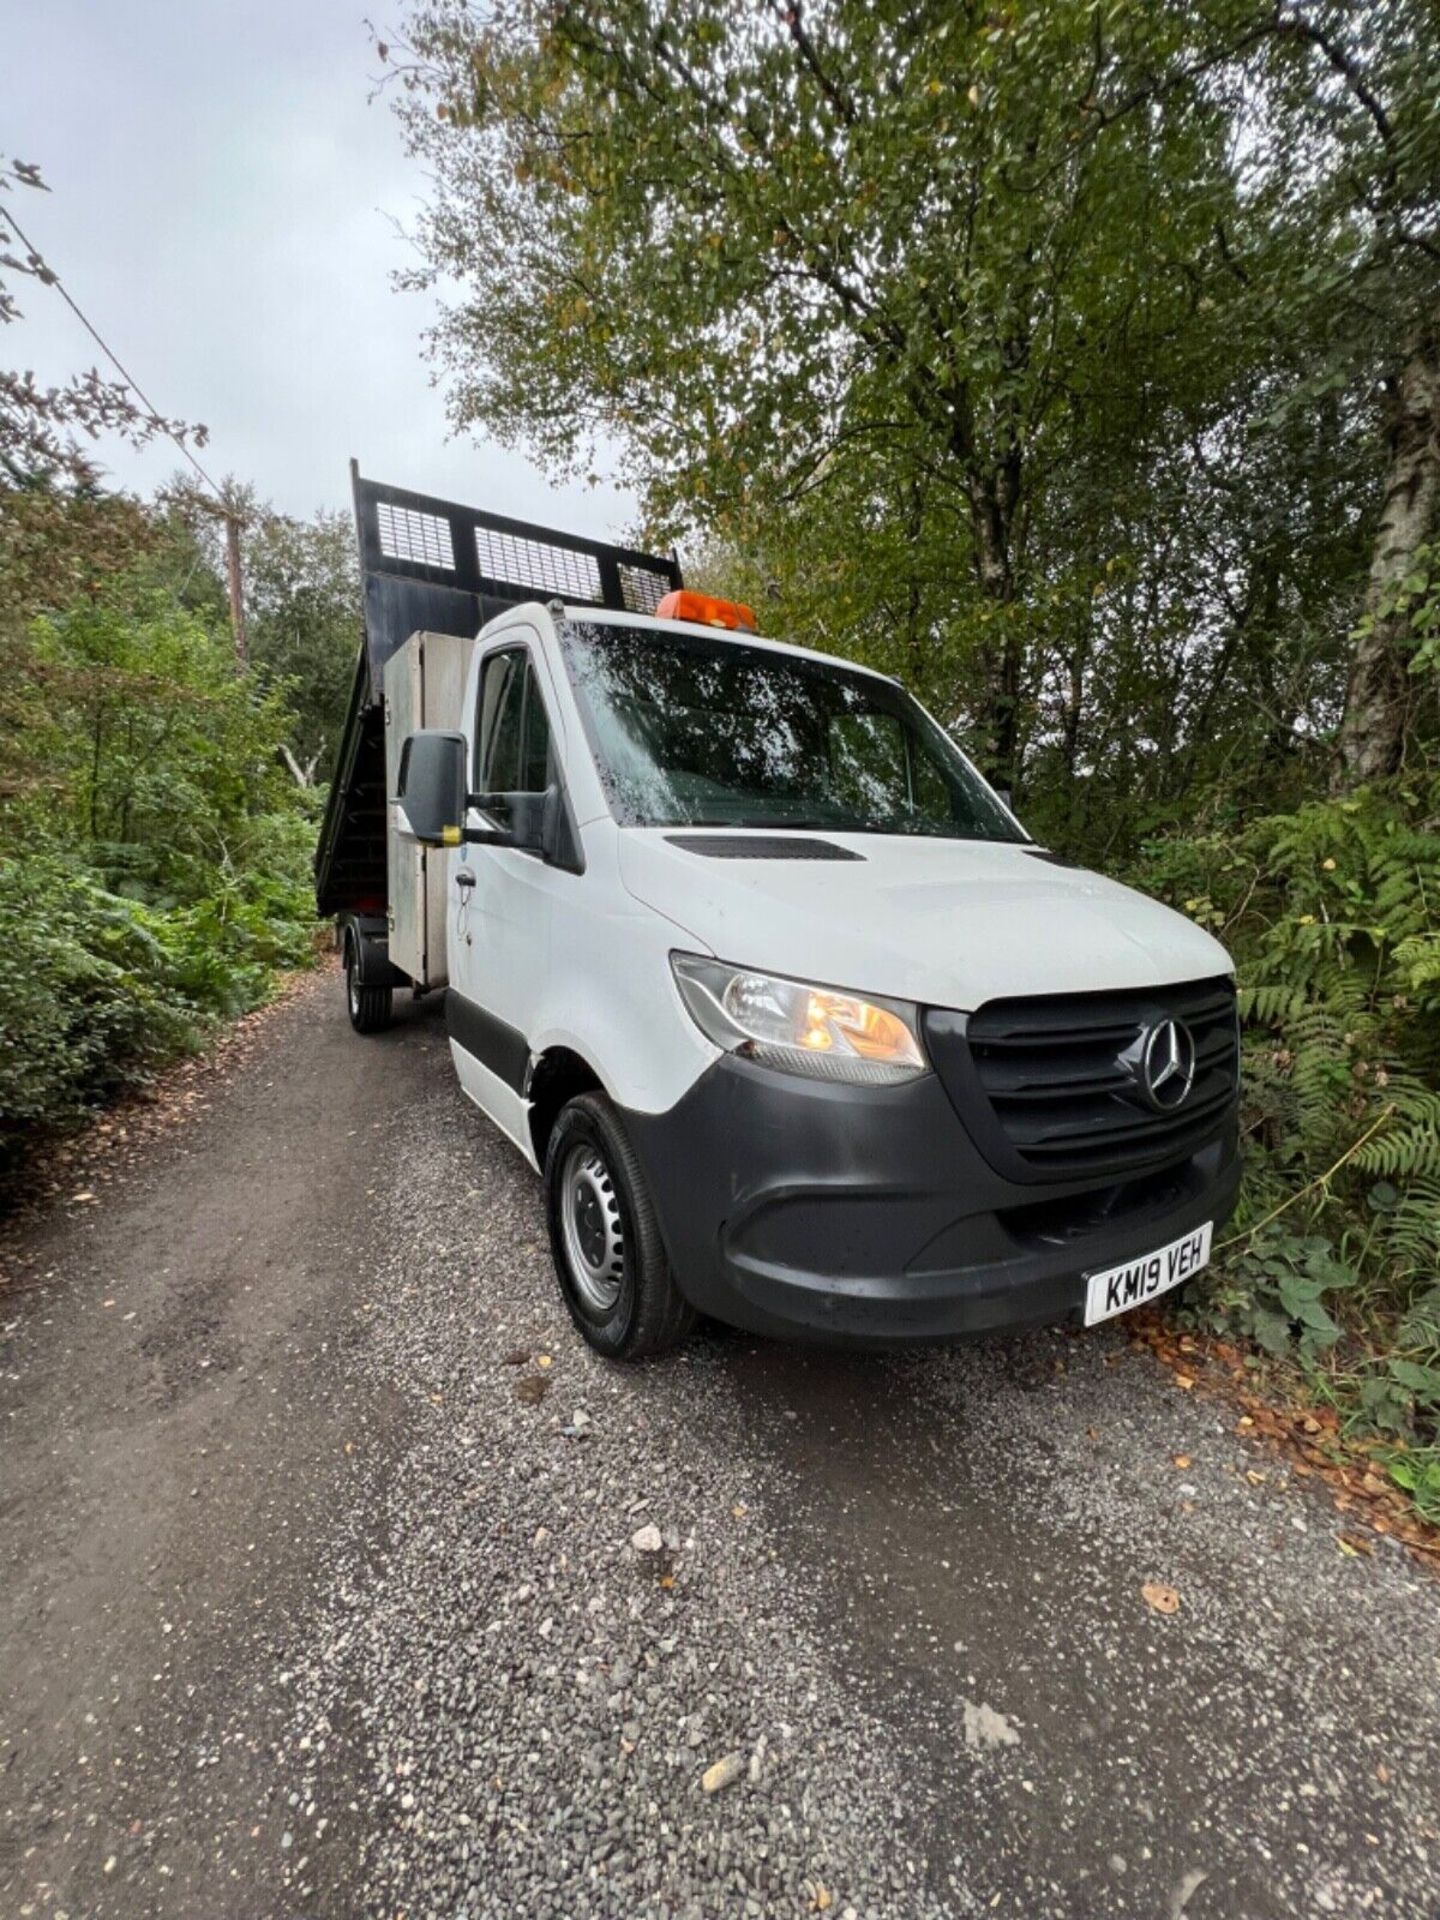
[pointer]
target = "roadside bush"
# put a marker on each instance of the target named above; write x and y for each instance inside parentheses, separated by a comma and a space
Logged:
(154, 856)
(103, 988)
(89, 1003)
(1333, 915)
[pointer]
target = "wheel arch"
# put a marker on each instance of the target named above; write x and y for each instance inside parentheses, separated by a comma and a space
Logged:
(367, 936)
(555, 1077)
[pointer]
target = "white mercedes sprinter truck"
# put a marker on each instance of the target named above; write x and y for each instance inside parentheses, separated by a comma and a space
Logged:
(798, 1025)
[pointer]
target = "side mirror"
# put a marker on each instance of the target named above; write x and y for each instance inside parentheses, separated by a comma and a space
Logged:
(431, 786)
(431, 790)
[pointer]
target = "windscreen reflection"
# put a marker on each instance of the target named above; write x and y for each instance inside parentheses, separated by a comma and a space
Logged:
(688, 731)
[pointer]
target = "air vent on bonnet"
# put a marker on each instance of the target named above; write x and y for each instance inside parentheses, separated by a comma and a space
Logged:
(759, 846)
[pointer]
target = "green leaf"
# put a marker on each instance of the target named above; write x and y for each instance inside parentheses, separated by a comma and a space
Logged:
(1272, 1330)
(1422, 1381)
(1311, 1314)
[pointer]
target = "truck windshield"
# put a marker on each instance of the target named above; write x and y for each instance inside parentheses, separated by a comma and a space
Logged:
(688, 731)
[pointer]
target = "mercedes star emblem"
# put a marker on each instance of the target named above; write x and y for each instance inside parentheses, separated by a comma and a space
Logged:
(1167, 1065)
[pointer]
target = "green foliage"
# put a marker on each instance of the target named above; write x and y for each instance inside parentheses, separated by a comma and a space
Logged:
(1276, 1292)
(106, 988)
(57, 543)
(302, 606)
(154, 853)
(302, 596)
(88, 1006)
(881, 260)
(1034, 350)
(1333, 914)
(1404, 1394)
(1418, 1472)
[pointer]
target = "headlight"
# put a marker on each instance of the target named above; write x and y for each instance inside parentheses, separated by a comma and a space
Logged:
(800, 1028)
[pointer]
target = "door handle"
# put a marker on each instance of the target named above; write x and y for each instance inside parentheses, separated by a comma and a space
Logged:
(465, 879)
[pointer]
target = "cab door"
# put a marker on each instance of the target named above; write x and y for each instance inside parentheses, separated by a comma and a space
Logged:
(503, 899)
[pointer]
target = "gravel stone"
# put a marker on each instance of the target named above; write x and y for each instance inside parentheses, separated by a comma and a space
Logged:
(724, 1772)
(406, 1623)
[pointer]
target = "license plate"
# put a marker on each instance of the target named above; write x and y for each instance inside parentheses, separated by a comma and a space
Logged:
(1118, 1289)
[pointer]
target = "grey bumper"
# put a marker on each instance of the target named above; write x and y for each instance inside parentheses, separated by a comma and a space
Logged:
(867, 1215)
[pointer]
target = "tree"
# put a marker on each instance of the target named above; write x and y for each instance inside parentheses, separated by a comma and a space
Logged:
(868, 248)
(302, 593)
(1352, 93)
(57, 543)
(301, 604)
(154, 855)
(1372, 736)
(980, 286)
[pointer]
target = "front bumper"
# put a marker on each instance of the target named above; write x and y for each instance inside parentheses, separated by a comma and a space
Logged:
(866, 1216)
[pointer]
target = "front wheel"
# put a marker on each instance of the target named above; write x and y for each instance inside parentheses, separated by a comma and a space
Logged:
(369, 1007)
(609, 1258)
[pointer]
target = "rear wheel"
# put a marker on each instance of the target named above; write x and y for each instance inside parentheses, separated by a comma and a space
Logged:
(369, 1006)
(609, 1258)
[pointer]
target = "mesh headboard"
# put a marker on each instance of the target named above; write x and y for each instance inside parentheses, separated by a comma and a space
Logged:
(433, 566)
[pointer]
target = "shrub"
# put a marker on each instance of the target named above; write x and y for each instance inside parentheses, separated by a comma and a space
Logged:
(1333, 915)
(154, 857)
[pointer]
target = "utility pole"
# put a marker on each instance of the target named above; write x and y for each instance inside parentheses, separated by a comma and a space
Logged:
(234, 578)
(236, 588)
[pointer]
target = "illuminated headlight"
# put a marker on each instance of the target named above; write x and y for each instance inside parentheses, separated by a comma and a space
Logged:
(800, 1028)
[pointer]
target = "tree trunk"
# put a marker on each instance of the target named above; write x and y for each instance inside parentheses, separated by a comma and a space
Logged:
(991, 507)
(1371, 740)
(1074, 704)
(235, 588)
(303, 776)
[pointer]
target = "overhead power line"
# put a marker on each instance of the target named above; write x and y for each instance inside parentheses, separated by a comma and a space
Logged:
(233, 581)
(53, 279)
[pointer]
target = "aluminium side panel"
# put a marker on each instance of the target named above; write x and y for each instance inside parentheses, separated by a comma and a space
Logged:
(424, 687)
(404, 859)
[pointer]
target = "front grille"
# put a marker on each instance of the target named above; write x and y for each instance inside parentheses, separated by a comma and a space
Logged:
(1050, 1087)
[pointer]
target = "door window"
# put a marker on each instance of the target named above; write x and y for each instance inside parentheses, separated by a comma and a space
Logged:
(535, 769)
(512, 738)
(497, 737)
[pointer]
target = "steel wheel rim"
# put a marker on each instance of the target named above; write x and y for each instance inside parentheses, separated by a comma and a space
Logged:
(352, 985)
(590, 1225)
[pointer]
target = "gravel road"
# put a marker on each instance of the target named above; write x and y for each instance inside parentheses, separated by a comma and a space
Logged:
(321, 1597)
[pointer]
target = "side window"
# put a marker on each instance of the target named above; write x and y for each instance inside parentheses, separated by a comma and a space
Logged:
(512, 737)
(502, 713)
(535, 767)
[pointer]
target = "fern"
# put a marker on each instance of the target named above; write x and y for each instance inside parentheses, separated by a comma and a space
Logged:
(1410, 1153)
(1413, 1236)
(1271, 1005)
(1417, 959)
(1333, 915)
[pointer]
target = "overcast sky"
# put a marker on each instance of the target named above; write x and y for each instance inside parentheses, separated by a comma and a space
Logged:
(224, 205)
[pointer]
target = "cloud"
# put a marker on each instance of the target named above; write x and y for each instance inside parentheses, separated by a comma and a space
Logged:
(225, 209)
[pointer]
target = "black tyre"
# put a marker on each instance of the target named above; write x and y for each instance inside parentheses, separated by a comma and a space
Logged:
(605, 1239)
(369, 1006)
